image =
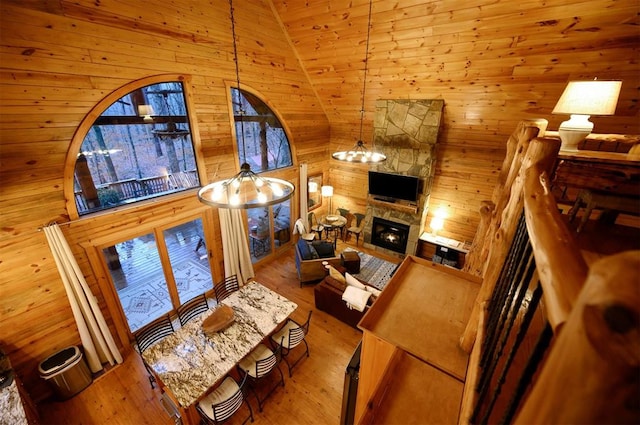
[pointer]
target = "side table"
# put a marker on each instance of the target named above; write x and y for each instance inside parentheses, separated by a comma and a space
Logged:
(351, 261)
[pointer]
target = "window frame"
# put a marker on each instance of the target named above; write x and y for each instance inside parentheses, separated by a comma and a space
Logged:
(94, 114)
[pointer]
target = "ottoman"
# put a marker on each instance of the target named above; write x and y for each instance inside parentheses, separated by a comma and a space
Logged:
(351, 261)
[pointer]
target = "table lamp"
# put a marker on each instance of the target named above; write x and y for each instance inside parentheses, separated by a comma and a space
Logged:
(582, 99)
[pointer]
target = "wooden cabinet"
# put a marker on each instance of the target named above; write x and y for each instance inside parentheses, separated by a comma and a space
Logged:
(412, 369)
(442, 250)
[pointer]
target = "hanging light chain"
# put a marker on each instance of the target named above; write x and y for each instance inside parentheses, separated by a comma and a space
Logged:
(366, 66)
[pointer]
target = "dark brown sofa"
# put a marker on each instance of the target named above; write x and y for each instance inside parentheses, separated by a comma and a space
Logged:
(328, 298)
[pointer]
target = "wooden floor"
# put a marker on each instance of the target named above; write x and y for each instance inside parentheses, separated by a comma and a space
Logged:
(312, 396)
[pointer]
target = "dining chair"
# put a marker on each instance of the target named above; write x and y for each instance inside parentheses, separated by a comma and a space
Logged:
(290, 336)
(223, 402)
(314, 225)
(350, 219)
(342, 211)
(226, 287)
(301, 229)
(357, 229)
(259, 365)
(192, 308)
(150, 334)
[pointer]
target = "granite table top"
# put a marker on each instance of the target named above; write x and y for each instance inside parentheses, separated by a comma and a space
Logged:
(189, 362)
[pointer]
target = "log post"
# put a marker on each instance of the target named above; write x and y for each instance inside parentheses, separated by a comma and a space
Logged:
(540, 151)
(601, 338)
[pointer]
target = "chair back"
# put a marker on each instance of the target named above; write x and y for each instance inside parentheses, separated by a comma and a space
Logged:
(350, 217)
(299, 227)
(192, 308)
(266, 365)
(342, 211)
(154, 331)
(297, 334)
(226, 287)
(360, 220)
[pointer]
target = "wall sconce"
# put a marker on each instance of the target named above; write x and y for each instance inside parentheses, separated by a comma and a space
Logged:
(437, 221)
(146, 111)
(581, 99)
(327, 192)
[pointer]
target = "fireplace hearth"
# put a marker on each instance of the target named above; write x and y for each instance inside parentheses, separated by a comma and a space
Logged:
(390, 235)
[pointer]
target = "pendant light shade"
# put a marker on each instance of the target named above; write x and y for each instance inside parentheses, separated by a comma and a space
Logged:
(359, 152)
(246, 189)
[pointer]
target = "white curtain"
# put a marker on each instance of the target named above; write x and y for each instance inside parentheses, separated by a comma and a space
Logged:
(304, 195)
(235, 248)
(97, 341)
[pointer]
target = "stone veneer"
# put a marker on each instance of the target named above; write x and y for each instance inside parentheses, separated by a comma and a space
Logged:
(407, 132)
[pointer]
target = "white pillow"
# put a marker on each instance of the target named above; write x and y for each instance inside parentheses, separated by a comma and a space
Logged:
(356, 298)
(374, 291)
(352, 281)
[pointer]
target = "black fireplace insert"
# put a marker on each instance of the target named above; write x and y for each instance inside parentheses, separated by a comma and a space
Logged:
(390, 235)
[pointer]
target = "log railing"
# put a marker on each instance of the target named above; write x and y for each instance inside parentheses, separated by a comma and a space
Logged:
(559, 343)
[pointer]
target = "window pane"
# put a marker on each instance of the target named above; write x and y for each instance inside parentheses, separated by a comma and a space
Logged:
(137, 274)
(282, 223)
(188, 256)
(139, 148)
(259, 232)
(262, 141)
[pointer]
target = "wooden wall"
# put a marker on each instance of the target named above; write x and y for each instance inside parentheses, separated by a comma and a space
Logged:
(59, 59)
(493, 63)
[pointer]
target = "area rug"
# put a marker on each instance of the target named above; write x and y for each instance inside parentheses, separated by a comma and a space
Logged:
(148, 298)
(375, 271)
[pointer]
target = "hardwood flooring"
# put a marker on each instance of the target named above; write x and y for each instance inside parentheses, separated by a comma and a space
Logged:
(312, 396)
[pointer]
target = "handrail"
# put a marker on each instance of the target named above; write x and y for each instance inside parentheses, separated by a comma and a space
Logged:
(561, 267)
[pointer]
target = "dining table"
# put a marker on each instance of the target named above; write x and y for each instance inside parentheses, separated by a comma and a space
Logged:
(190, 361)
(334, 223)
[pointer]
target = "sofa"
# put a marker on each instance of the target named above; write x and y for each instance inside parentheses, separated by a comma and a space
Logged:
(309, 258)
(328, 298)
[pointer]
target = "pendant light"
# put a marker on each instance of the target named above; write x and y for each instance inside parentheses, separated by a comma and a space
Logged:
(359, 152)
(246, 189)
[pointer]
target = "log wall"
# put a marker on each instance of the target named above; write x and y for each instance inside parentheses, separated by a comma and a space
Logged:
(493, 63)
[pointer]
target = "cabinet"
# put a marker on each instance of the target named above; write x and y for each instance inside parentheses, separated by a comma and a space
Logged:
(412, 369)
(438, 249)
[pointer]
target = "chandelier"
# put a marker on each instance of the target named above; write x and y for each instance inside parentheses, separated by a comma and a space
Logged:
(246, 189)
(359, 152)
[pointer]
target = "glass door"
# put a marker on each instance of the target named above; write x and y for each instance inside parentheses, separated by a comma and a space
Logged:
(154, 273)
(269, 229)
(189, 260)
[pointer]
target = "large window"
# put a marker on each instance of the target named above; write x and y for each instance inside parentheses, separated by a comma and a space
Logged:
(262, 141)
(139, 148)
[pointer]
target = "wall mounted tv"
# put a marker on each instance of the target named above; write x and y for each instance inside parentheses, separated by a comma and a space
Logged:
(389, 187)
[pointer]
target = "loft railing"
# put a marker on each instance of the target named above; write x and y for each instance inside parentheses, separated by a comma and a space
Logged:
(558, 342)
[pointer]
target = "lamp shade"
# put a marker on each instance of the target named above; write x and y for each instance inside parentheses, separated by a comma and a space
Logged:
(145, 110)
(313, 187)
(327, 190)
(595, 97)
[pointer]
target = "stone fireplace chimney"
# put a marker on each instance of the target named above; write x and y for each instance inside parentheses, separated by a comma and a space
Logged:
(407, 132)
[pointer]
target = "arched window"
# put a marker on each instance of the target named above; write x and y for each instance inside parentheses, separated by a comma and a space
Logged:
(266, 146)
(140, 147)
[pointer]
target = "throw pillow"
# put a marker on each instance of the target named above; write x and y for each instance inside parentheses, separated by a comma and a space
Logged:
(336, 275)
(324, 248)
(304, 249)
(335, 284)
(356, 298)
(353, 281)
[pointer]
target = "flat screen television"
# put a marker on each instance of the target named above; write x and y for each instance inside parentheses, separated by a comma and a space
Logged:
(389, 187)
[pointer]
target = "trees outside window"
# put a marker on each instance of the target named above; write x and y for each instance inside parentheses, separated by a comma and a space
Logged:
(139, 148)
(262, 141)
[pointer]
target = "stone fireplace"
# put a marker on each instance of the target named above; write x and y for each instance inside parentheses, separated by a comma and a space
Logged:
(407, 132)
(390, 235)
